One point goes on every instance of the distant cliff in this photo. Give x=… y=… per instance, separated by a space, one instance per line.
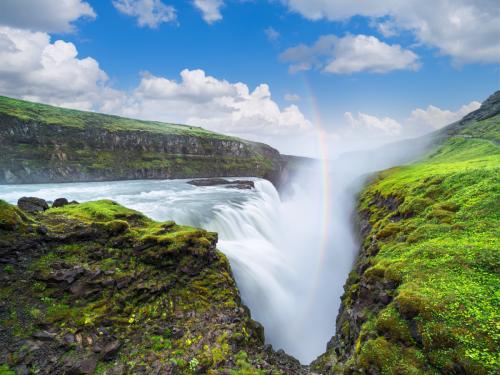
x=41 y=143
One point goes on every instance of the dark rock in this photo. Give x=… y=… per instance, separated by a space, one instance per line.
x=32 y=204
x=110 y=350
x=82 y=289
x=248 y=185
x=68 y=339
x=44 y=336
x=42 y=230
x=209 y=182
x=60 y=202
x=177 y=333
x=236 y=184
x=415 y=332
x=61 y=275
x=73 y=202
x=80 y=366
x=22 y=370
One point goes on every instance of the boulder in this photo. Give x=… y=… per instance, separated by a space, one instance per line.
x=209 y=182
x=32 y=204
x=242 y=185
x=60 y=202
x=110 y=350
x=236 y=184
x=79 y=366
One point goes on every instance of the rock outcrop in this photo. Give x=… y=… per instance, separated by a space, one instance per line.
x=231 y=184
x=96 y=288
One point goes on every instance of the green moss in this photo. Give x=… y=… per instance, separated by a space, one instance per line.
x=11 y=217
x=137 y=280
x=439 y=248
x=5 y=370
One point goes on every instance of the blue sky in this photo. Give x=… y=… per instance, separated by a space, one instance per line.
x=406 y=68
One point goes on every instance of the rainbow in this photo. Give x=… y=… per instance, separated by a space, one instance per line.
x=326 y=225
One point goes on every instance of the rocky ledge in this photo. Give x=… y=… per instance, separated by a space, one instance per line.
x=98 y=288
x=234 y=184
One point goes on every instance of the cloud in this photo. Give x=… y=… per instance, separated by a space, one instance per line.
x=363 y=131
x=272 y=34
x=210 y=9
x=214 y=104
x=466 y=30
x=292 y=97
x=150 y=13
x=33 y=67
x=350 y=54
x=420 y=121
x=44 y=15
x=369 y=123
x=435 y=118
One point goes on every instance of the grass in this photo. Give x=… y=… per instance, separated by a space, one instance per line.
x=440 y=249
x=50 y=115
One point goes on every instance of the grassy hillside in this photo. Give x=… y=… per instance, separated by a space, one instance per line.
x=424 y=294
x=95 y=288
x=50 y=115
x=42 y=143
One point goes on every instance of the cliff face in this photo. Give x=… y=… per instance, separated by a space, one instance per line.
x=40 y=143
x=95 y=288
x=421 y=296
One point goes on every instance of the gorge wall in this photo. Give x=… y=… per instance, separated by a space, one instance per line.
x=421 y=296
x=41 y=144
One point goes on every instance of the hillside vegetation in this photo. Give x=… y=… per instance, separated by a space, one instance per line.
x=424 y=294
x=42 y=143
x=49 y=115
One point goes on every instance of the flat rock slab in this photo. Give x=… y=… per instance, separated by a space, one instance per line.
x=236 y=184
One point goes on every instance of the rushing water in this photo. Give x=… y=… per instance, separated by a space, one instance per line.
x=288 y=269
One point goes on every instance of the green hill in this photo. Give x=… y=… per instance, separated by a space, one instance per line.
x=42 y=143
x=423 y=296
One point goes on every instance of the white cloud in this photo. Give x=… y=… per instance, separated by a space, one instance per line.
x=362 y=131
x=44 y=15
x=214 y=104
x=35 y=68
x=466 y=30
x=435 y=118
x=272 y=34
x=31 y=66
x=150 y=13
x=292 y=97
x=369 y=123
x=420 y=121
x=350 y=54
x=210 y=9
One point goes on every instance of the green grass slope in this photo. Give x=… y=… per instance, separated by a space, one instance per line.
x=42 y=143
x=50 y=115
x=424 y=294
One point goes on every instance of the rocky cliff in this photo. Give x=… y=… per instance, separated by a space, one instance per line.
x=40 y=143
x=421 y=296
x=95 y=288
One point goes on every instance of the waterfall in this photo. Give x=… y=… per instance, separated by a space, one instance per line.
x=289 y=271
